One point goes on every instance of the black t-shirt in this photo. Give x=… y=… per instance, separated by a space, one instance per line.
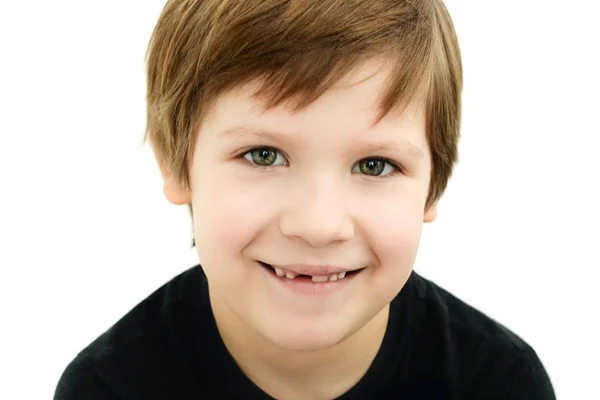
x=435 y=347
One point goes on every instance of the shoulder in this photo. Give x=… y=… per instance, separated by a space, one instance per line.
x=463 y=321
x=147 y=324
x=80 y=380
x=482 y=357
x=137 y=352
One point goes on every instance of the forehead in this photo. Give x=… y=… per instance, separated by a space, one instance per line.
x=351 y=105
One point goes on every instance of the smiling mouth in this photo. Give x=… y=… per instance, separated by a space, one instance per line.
x=314 y=278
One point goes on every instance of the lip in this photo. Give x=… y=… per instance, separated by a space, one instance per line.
x=319 y=270
x=305 y=287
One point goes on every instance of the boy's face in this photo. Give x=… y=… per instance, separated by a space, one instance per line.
x=317 y=192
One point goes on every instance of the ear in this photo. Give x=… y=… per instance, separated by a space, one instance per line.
x=430 y=213
x=175 y=191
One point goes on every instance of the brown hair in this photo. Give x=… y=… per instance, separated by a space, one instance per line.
x=299 y=48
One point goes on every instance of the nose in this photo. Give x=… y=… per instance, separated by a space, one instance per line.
x=318 y=215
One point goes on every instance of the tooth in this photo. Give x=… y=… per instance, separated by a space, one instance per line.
x=341 y=275
x=333 y=278
x=279 y=272
x=320 y=279
x=290 y=275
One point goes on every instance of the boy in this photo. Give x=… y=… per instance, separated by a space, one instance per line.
x=311 y=139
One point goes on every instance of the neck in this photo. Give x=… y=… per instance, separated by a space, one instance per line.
x=288 y=374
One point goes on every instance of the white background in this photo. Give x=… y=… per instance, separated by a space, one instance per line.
x=85 y=233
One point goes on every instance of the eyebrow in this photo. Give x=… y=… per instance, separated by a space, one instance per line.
x=406 y=148
x=403 y=147
x=243 y=130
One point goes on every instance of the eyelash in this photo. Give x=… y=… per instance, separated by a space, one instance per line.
x=396 y=168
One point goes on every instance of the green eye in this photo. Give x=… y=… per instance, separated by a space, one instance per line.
x=265 y=157
x=374 y=167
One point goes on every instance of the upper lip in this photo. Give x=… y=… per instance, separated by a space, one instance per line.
x=318 y=270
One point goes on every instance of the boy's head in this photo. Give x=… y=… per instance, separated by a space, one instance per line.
x=309 y=138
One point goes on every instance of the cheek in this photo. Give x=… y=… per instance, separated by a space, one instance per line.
x=395 y=241
x=228 y=213
x=395 y=232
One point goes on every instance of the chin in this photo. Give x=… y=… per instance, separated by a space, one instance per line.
x=305 y=338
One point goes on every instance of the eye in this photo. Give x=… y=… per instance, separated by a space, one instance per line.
x=374 y=167
x=265 y=157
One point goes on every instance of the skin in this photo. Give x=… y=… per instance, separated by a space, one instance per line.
x=316 y=203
